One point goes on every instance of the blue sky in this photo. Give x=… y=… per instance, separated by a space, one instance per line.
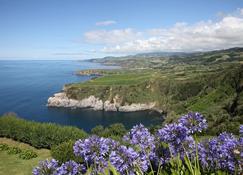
x=81 y=29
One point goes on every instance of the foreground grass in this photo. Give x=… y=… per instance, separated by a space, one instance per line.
x=12 y=164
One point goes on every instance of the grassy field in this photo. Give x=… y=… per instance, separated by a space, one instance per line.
x=13 y=165
x=120 y=77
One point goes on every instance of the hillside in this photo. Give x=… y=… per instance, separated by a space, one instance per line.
x=161 y=59
x=208 y=82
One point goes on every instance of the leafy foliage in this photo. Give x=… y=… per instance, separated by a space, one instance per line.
x=14 y=150
x=39 y=135
x=27 y=154
x=115 y=131
x=3 y=147
x=64 y=152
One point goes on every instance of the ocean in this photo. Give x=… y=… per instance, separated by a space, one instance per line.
x=26 y=85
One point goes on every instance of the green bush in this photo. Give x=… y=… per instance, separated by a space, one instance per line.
x=38 y=135
x=64 y=152
x=97 y=130
x=27 y=154
x=3 y=147
x=23 y=154
x=14 y=150
x=116 y=130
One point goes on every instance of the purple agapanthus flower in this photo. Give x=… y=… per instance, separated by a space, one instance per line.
x=95 y=150
x=140 y=137
x=46 y=167
x=127 y=161
x=219 y=153
x=71 y=168
x=174 y=135
x=195 y=122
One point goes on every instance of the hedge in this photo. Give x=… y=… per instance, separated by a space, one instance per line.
x=64 y=152
x=38 y=135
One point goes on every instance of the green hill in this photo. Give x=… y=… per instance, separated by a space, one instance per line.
x=208 y=82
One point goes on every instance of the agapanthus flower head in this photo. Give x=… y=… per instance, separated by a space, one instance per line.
x=195 y=122
x=95 y=150
x=46 y=167
x=174 y=135
x=127 y=161
x=71 y=168
x=203 y=154
x=219 y=153
x=143 y=139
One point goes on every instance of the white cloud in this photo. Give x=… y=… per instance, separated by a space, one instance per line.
x=105 y=23
x=241 y=11
x=204 y=35
x=111 y=37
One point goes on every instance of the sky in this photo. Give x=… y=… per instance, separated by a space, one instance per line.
x=84 y=29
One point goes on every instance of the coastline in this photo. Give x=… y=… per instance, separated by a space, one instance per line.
x=61 y=100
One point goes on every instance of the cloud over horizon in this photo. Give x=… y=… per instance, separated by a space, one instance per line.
x=105 y=23
x=111 y=37
x=201 y=36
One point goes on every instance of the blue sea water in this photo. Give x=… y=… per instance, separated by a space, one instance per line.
x=26 y=85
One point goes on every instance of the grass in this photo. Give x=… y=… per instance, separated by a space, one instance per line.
x=119 y=78
x=12 y=164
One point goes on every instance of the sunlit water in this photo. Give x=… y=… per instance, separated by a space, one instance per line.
x=26 y=85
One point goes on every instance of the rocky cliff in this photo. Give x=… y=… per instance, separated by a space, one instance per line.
x=61 y=100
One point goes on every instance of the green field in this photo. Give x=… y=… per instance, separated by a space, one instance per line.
x=119 y=79
x=12 y=164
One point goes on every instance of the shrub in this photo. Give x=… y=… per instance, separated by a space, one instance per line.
x=64 y=152
x=3 y=147
x=27 y=154
x=14 y=150
x=116 y=130
x=39 y=135
x=97 y=130
x=23 y=154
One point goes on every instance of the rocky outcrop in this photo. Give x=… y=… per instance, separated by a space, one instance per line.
x=136 y=107
x=61 y=100
x=108 y=106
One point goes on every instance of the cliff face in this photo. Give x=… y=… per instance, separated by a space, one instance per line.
x=61 y=100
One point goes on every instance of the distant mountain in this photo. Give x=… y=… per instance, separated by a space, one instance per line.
x=145 y=55
x=159 y=59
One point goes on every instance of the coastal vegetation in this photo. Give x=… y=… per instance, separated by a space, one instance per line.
x=207 y=82
x=38 y=135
